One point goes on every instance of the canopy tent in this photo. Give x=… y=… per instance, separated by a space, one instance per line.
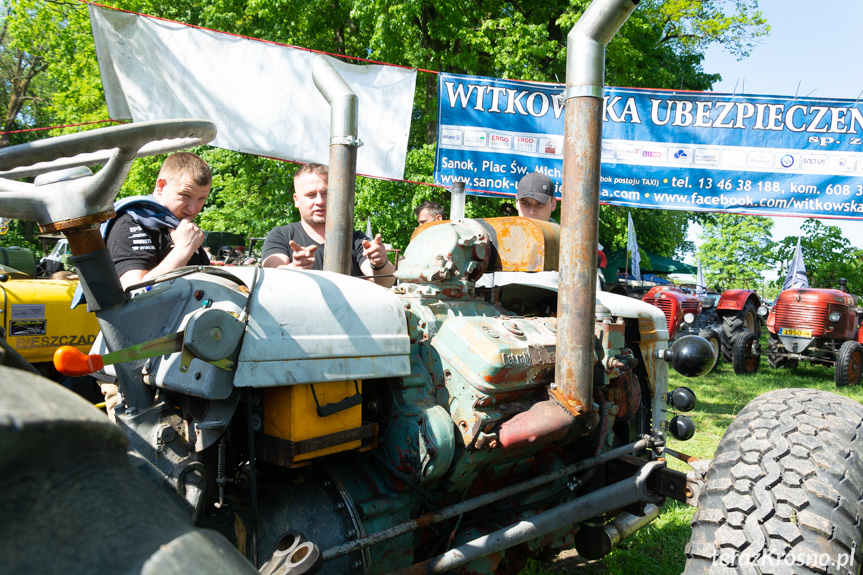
x=657 y=265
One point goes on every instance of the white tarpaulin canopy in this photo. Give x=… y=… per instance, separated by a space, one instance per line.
x=260 y=95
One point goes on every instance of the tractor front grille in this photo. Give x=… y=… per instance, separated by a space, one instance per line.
x=801 y=317
x=667 y=307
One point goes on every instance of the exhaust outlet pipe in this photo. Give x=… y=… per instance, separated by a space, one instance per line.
x=343 y=164
x=576 y=297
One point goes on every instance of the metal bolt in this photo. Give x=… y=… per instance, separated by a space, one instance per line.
x=215 y=334
x=350 y=534
x=356 y=564
x=166 y=434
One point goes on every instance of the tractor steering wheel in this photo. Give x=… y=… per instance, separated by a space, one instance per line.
x=114 y=147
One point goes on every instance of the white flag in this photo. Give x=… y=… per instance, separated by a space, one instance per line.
x=260 y=95
x=700 y=288
x=632 y=247
x=796 y=277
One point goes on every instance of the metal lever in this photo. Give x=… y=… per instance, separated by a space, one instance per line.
x=69 y=361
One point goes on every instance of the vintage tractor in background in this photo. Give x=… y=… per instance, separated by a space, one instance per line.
x=721 y=320
x=681 y=309
x=37 y=320
x=821 y=326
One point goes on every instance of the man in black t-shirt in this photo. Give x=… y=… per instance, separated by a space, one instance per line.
x=300 y=245
x=155 y=235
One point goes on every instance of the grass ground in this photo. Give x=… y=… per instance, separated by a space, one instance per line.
x=659 y=548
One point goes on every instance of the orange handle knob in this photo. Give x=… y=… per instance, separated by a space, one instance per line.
x=69 y=361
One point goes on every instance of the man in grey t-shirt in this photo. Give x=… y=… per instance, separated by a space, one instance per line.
x=300 y=245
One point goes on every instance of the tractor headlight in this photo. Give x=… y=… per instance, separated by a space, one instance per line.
x=689 y=317
x=763 y=311
x=834 y=316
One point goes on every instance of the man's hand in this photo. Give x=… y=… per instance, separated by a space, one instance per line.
x=303 y=257
x=187 y=237
x=375 y=252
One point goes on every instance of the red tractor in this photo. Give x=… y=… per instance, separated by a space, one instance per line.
x=736 y=313
x=681 y=309
x=719 y=322
x=818 y=325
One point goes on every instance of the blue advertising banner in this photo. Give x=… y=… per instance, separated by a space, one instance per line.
x=694 y=151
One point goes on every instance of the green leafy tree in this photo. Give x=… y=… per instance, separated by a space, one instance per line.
x=828 y=256
x=660 y=46
x=736 y=250
x=48 y=69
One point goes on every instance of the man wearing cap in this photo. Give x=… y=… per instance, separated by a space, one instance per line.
x=535 y=197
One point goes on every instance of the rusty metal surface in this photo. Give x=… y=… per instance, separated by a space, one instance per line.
x=483 y=500
x=70 y=226
x=544 y=422
x=341 y=187
x=524 y=245
x=576 y=298
x=84 y=240
x=519 y=244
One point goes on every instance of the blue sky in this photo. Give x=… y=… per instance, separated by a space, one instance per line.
x=813 y=50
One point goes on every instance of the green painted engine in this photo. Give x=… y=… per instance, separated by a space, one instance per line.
x=463 y=441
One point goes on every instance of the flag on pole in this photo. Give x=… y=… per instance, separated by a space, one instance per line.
x=632 y=247
x=796 y=277
x=700 y=288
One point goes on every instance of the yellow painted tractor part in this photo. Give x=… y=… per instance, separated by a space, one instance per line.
x=37 y=318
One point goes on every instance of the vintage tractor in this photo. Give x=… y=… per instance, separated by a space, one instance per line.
x=380 y=429
x=346 y=428
x=821 y=326
x=682 y=310
x=37 y=320
x=719 y=322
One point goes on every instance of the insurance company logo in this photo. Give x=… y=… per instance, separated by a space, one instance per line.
x=706 y=157
x=525 y=143
x=818 y=162
x=628 y=152
x=681 y=156
x=451 y=137
x=551 y=146
x=475 y=139
x=786 y=161
x=653 y=154
x=607 y=152
x=760 y=160
x=501 y=141
x=842 y=163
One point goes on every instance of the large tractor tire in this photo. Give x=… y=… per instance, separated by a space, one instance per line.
x=712 y=337
x=747 y=354
x=782 y=494
x=736 y=322
x=849 y=364
x=74 y=501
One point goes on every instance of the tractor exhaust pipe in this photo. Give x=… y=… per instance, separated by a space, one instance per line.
x=343 y=164
x=579 y=233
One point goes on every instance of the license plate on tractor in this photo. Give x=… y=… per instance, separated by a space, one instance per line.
x=795 y=332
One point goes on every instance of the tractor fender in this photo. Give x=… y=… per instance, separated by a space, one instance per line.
x=735 y=299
